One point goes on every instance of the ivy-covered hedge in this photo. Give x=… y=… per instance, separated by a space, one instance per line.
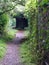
x=38 y=17
x=43 y=32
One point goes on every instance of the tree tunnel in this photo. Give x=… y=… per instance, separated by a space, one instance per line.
x=21 y=22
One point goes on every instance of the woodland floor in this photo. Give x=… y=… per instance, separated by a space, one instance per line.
x=12 y=56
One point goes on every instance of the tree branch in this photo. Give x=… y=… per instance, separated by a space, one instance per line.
x=1 y=13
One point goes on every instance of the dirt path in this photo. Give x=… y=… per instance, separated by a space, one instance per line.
x=12 y=56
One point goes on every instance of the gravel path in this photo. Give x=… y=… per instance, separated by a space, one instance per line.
x=12 y=56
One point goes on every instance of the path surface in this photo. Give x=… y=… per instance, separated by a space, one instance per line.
x=12 y=56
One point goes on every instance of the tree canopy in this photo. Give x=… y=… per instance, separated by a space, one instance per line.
x=8 y=5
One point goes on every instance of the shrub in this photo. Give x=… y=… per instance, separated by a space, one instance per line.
x=3 y=22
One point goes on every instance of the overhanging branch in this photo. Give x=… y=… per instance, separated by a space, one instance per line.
x=1 y=13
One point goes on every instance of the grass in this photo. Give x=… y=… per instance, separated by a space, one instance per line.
x=9 y=35
x=2 y=48
x=12 y=32
x=26 y=33
x=25 y=55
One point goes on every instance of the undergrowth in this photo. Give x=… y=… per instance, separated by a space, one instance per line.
x=25 y=54
x=2 y=48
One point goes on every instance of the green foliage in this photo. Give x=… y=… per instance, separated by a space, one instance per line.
x=38 y=42
x=43 y=31
x=8 y=5
x=2 y=48
x=43 y=2
x=30 y=8
x=25 y=54
x=31 y=13
x=3 y=22
x=10 y=34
